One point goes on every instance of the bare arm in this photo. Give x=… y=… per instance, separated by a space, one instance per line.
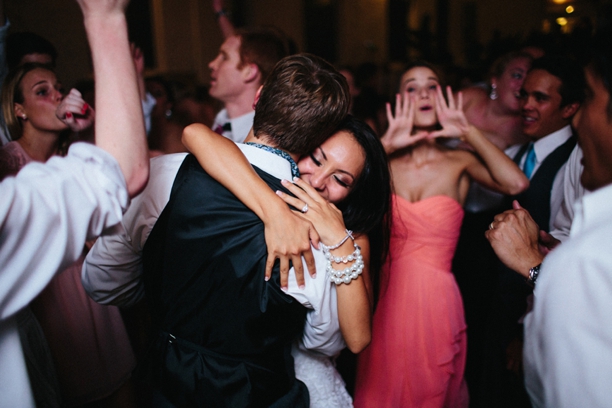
x=354 y=301
x=225 y=24
x=287 y=236
x=494 y=170
x=119 y=126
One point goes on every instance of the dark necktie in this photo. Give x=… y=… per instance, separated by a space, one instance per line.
x=226 y=127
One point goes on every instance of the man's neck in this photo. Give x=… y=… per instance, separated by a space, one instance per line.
x=264 y=140
x=241 y=105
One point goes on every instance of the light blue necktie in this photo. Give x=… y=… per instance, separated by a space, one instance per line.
x=530 y=161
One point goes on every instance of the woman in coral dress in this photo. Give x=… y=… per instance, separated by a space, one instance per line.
x=418 y=349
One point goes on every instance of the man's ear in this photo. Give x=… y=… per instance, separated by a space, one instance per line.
x=569 y=110
x=257 y=95
x=250 y=72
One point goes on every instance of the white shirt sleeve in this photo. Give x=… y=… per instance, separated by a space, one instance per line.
x=48 y=212
x=322 y=328
x=568 y=335
x=572 y=192
x=147 y=109
x=112 y=269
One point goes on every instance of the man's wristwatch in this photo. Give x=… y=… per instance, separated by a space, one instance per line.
x=533 y=274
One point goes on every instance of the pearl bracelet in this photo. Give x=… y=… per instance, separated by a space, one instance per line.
x=349 y=234
x=347 y=274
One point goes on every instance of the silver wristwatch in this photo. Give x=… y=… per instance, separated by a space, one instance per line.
x=533 y=274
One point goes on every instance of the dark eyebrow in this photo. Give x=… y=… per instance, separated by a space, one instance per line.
x=323 y=152
x=541 y=95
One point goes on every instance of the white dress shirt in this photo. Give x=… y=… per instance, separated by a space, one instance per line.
x=47 y=212
x=572 y=192
x=543 y=147
x=113 y=268
x=568 y=335
x=241 y=126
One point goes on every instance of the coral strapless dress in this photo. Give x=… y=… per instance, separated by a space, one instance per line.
x=418 y=349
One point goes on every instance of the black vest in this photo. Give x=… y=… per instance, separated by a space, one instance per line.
x=536 y=199
x=223 y=334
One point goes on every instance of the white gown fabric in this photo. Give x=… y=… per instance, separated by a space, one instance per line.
x=325 y=385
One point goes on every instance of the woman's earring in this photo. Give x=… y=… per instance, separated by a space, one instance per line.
x=168 y=113
x=24 y=116
x=493 y=95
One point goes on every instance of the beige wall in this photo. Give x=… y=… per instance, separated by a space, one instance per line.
x=187 y=37
x=363 y=31
x=59 y=21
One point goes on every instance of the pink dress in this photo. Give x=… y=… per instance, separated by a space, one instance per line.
x=418 y=349
x=88 y=341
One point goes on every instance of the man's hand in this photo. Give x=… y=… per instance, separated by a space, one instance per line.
x=514 y=235
x=547 y=242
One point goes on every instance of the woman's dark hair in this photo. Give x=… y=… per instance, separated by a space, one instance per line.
x=366 y=209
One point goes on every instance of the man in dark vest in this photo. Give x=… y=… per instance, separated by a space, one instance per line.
x=222 y=334
x=551 y=94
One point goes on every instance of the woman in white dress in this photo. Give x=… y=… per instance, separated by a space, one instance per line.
x=344 y=184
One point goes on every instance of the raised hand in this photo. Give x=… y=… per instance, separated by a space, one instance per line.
x=218 y=5
x=399 y=134
x=450 y=116
x=75 y=112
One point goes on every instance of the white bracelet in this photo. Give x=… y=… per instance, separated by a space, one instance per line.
x=347 y=274
x=349 y=234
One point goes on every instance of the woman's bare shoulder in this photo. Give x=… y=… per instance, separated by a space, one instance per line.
x=473 y=96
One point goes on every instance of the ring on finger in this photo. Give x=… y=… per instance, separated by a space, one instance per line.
x=491 y=226
x=305 y=208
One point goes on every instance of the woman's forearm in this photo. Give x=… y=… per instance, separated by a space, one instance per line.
x=505 y=175
x=354 y=301
x=224 y=161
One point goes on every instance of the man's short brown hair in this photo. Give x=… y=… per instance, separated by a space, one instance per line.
x=301 y=103
x=262 y=46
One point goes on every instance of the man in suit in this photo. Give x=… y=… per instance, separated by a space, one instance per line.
x=222 y=334
x=550 y=96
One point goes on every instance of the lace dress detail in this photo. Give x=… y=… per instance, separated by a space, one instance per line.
x=325 y=385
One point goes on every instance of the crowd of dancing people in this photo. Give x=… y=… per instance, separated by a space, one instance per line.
x=288 y=237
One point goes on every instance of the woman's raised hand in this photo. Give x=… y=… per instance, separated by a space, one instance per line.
x=450 y=116
x=75 y=112
x=399 y=134
x=326 y=218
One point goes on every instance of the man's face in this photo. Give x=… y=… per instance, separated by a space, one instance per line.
x=226 y=77
x=541 y=105
x=594 y=129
